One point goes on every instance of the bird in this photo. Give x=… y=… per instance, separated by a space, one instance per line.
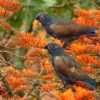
x=66 y=31
x=66 y=68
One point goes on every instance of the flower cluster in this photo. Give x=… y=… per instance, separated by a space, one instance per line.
x=7 y=8
x=88 y=17
x=9 y=5
x=79 y=94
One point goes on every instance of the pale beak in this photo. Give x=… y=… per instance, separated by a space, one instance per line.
x=36 y=24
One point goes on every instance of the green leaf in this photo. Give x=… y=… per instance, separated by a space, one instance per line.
x=49 y=3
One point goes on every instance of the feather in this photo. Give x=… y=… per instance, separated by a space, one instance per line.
x=70 y=69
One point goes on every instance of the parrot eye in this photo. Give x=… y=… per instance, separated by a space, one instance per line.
x=49 y=47
x=42 y=18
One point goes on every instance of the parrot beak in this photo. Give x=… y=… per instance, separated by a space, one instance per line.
x=36 y=24
x=37 y=21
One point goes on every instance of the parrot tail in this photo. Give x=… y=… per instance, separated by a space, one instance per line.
x=91 y=83
x=91 y=31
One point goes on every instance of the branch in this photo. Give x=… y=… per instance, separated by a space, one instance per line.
x=6 y=62
x=4 y=51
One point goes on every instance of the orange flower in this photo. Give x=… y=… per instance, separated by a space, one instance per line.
x=59 y=42
x=29 y=73
x=35 y=52
x=5 y=13
x=83 y=94
x=48 y=76
x=78 y=94
x=11 y=5
x=46 y=64
x=78 y=47
x=86 y=59
x=28 y=40
x=48 y=87
x=85 y=21
x=67 y=95
x=88 y=69
x=21 y=88
x=88 y=17
x=17 y=81
x=93 y=49
x=48 y=67
x=90 y=14
x=41 y=34
x=7 y=26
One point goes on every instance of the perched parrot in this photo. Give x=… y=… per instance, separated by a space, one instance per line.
x=67 y=69
x=63 y=30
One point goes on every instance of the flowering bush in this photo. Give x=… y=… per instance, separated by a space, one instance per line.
x=38 y=77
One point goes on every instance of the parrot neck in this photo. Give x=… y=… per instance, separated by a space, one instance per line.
x=59 y=52
x=47 y=22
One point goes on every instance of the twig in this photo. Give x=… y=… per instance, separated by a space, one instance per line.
x=6 y=62
x=97 y=6
x=3 y=51
x=8 y=47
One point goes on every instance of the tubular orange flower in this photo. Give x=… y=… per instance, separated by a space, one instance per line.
x=22 y=88
x=88 y=17
x=41 y=34
x=35 y=52
x=83 y=94
x=86 y=59
x=78 y=47
x=69 y=51
x=91 y=14
x=28 y=40
x=59 y=42
x=93 y=49
x=78 y=94
x=5 y=13
x=88 y=70
x=7 y=26
x=85 y=21
x=86 y=39
x=48 y=76
x=29 y=73
x=46 y=64
x=25 y=40
x=11 y=5
x=11 y=71
x=17 y=81
x=48 y=87
x=48 y=67
x=67 y=95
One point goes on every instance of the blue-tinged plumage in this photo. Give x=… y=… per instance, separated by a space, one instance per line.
x=65 y=31
x=91 y=83
x=67 y=69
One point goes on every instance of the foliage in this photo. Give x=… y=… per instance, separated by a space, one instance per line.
x=37 y=79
